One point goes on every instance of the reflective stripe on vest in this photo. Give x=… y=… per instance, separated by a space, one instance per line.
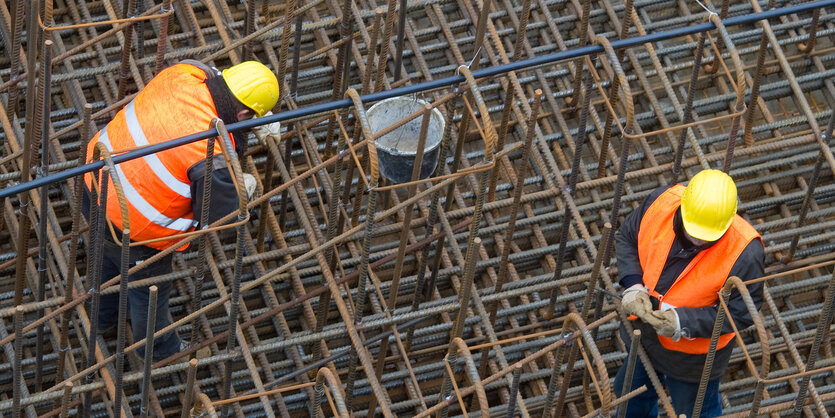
x=700 y=282
x=156 y=165
x=135 y=198
x=175 y=103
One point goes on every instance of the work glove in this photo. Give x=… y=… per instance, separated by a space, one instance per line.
x=666 y=323
x=270 y=129
x=250 y=184
x=635 y=301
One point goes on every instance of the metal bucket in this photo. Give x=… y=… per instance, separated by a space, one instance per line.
x=396 y=150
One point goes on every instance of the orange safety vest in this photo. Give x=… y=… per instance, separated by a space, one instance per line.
x=700 y=282
x=173 y=104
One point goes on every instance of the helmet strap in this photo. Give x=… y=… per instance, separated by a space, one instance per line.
x=227 y=106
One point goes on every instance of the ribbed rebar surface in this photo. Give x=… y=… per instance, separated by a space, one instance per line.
x=328 y=302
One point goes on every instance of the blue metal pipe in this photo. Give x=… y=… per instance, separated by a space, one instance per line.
x=416 y=88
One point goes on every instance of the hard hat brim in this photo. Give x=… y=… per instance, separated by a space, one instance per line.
x=703 y=233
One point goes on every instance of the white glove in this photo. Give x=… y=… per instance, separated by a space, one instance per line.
x=635 y=301
x=271 y=129
x=666 y=323
x=250 y=184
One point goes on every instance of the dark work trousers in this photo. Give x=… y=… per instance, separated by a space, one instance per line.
x=683 y=394
x=164 y=345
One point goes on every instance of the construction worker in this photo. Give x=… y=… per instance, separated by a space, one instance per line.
x=164 y=190
x=674 y=253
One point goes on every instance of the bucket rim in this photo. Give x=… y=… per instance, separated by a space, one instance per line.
x=393 y=151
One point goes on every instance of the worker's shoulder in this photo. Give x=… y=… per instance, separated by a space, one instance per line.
x=182 y=73
x=658 y=191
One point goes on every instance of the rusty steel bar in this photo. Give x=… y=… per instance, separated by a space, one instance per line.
x=149 y=351
x=300 y=265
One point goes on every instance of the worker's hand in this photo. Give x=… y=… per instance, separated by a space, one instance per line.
x=635 y=301
x=666 y=323
x=271 y=129
x=250 y=184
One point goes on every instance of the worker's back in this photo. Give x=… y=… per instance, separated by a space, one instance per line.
x=175 y=103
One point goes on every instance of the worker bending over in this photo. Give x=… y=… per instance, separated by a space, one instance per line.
x=164 y=190
x=674 y=254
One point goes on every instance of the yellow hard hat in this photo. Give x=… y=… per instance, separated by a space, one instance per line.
x=708 y=205
x=254 y=85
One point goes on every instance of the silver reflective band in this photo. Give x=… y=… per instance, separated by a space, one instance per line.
x=153 y=161
x=139 y=202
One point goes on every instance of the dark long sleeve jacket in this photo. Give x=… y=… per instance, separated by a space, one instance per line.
x=694 y=322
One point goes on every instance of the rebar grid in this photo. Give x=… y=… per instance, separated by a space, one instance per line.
x=480 y=291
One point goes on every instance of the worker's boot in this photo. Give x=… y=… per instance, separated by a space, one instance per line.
x=203 y=352
x=108 y=333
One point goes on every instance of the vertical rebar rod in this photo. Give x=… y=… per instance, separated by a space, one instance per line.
x=30 y=153
x=127 y=46
x=17 y=367
x=331 y=253
x=464 y=124
x=121 y=322
x=139 y=31
x=384 y=46
x=64 y=349
x=401 y=37
x=688 y=107
x=420 y=293
x=614 y=94
x=203 y=253
x=65 y=400
x=14 y=64
x=407 y=217
x=290 y=8
x=188 y=395
x=162 y=40
x=821 y=329
x=555 y=376
x=394 y=288
x=456 y=162
x=232 y=339
x=98 y=213
x=464 y=303
x=319 y=395
x=514 y=390
x=809 y=45
x=44 y=102
x=521 y=174
x=568 y=193
x=625 y=147
x=149 y=351
x=343 y=60
x=240 y=249
x=711 y=354
x=294 y=83
x=712 y=67
x=289 y=13
x=249 y=27
x=591 y=289
x=755 y=86
x=574 y=99
x=732 y=135
x=473 y=241
x=810 y=190
x=371 y=49
x=362 y=284
x=630 y=370
x=518 y=47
